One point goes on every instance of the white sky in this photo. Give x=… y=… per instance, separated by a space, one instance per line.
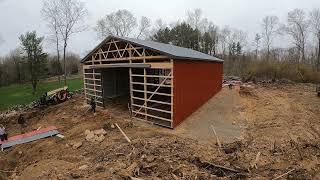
x=20 y=16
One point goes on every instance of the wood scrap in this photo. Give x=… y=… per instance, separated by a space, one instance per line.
x=221 y=167
x=278 y=177
x=127 y=138
x=8 y=171
x=255 y=162
x=134 y=178
x=217 y=138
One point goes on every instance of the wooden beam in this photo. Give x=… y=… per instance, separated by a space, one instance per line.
x=155 y=109
x=152 y=76
x=149 y=92
x=157 y=117
x=150 y=84
x=161 y=65
x=154 y=101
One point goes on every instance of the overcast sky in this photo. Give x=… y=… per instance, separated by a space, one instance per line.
x=20 y=16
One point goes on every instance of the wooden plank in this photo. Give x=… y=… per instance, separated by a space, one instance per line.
x=94 y=95
x=160 y=102
x=155 y=109
x=157 y=117
x=172 y=92
x=91 y=84
x=92 y=79
x=152 y=76
x=150 y=84
x=157 y=93
x=94 y=90
x=161 y=65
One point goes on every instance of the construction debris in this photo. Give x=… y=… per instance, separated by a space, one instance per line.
x=264 y=150
x=29 y=137
x=129 y=141
x=95 y=135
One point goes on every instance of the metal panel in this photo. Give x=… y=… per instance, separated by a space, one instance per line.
x=174 y=52
x=29 y=139
x=195 y=82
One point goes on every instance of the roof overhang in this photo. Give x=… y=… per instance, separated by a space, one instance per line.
x=147 y=47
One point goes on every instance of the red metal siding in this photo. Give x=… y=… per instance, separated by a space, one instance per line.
x=195 y=82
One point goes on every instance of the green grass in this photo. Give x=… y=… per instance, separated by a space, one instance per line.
x=22 y=93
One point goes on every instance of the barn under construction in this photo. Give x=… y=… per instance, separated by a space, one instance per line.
x=162 y=83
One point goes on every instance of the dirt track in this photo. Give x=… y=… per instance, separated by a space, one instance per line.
x=278 y=121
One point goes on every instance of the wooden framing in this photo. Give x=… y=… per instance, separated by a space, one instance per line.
x=151 y=88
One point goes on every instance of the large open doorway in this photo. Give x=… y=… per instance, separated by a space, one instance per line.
x=116 y=87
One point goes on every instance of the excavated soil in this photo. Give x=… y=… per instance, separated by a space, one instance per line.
x=280 y=133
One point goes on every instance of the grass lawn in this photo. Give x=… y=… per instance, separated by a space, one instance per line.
x=22 y=93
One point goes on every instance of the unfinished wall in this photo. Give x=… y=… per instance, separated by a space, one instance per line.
x=92 y=85
x=195 y=82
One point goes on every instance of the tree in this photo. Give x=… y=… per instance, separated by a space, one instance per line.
x=15 y=57
x=213 y=32
x=69 y=15
x=315 y=24
x=194 y=18
x=297 y=27
x=162 y=35
x=185 y=36
x=32 y=47
x=120 y=23
x=270 y=26
x=144 y=25
x=50 y=12
x=257 y=40
x=207 y=43
x=224 y=37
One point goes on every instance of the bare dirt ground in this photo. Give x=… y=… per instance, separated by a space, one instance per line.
x=279 y=132
x=221 y=112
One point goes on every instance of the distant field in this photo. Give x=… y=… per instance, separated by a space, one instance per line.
x=22 y=94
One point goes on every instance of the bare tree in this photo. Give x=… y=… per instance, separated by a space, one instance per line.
x=194 y=18
x=120 y=23
x=256 y=42
x=297 y=28
x=270 y=26
x=160 y=24
x=70 y=14
x=224 y=37
x=144 y=26
x=50 y=12
x=213 y=31
x=315 y=23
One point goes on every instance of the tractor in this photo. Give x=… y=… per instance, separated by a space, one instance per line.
x=55 y=96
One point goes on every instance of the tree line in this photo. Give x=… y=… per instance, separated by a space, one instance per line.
x=259 y=57
x=29 y=63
